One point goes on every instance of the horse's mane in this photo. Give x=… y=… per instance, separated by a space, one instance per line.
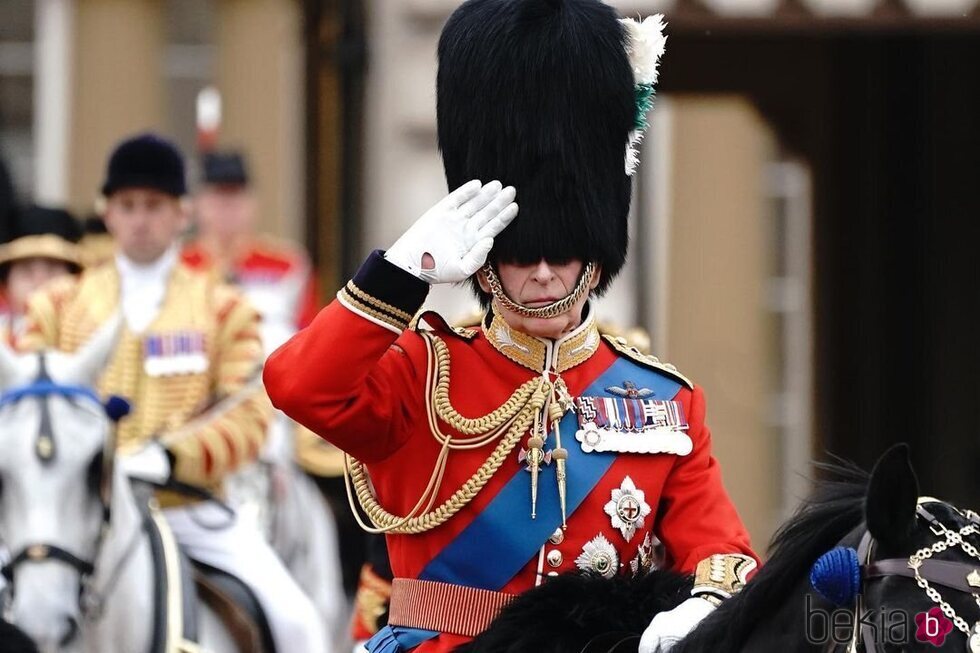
x=834 y=509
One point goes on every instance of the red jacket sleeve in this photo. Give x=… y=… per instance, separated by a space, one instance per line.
x=348 y=376
x=696 y=517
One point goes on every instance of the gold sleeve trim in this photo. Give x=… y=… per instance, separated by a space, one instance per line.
x=722 y=575
x=385 y=319
x=377 y=303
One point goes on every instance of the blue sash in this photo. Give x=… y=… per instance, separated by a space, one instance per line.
x=505 y=526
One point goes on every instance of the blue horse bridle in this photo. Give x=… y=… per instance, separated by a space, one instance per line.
x=43 y=388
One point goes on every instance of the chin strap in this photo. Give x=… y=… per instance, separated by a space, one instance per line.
x=553 y=309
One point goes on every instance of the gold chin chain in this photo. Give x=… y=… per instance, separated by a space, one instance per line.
x=508 y=423
x=553 y=309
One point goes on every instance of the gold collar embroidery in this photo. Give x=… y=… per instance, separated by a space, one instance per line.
x=532 y=353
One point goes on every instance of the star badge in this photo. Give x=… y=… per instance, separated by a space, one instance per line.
x=599 y=556
x=627 y=508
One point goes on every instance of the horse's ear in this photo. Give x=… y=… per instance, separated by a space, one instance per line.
x=85 y=366
x=893 y=493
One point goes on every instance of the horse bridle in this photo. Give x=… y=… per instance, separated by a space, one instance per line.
x=43 y=388
x=958 y=576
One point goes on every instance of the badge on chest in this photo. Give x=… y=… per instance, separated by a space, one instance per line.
x=174 y=353
x=632 y=425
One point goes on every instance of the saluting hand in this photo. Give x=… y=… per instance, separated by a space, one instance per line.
x=452 y=240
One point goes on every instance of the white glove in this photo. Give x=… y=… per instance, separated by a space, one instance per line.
x=457 y=233
x=150 y=463
x=668 y=628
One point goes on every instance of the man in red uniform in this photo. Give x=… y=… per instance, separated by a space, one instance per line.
x=496 y=457
x=274 y=274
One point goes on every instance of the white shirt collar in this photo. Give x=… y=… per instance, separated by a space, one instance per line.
x=140 y=273
x=143 y=288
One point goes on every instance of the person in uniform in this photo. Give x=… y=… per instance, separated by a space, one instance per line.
x=44 y=247
x=531 y=446
x=188 y=359
x=274 y=274
x=277 y=277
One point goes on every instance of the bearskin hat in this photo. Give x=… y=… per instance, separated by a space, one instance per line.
x=540 y=95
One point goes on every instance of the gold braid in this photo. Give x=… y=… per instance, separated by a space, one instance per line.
x=511 y=420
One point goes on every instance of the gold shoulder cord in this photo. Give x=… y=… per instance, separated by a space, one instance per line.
x=508 y=423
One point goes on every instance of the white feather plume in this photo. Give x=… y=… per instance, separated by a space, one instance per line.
x=633 y=152
x=645 y=45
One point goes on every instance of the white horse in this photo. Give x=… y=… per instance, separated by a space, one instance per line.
x=288 y=508
x=81 y=571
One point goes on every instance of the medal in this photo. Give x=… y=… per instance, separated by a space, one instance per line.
x=642 y=564
x=174 y=353
x=632 y=425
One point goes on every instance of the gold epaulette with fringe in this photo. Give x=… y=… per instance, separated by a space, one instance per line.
x=652 y=362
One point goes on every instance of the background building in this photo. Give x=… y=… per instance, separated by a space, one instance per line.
x=807 y=198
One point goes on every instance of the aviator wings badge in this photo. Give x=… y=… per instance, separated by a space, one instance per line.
x=630 y=391
x=627 y=508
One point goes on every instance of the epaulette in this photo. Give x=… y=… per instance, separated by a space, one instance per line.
x=438 y=323
x=651 y=362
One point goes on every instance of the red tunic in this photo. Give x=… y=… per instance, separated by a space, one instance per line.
x=358 y=380
x=275 y=275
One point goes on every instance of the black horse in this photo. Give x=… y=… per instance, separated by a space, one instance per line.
x=852 y=539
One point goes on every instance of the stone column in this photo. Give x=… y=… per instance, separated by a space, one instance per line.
x=54 y=26
x=260 y=77
x=118 y=85
x=719 y=331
